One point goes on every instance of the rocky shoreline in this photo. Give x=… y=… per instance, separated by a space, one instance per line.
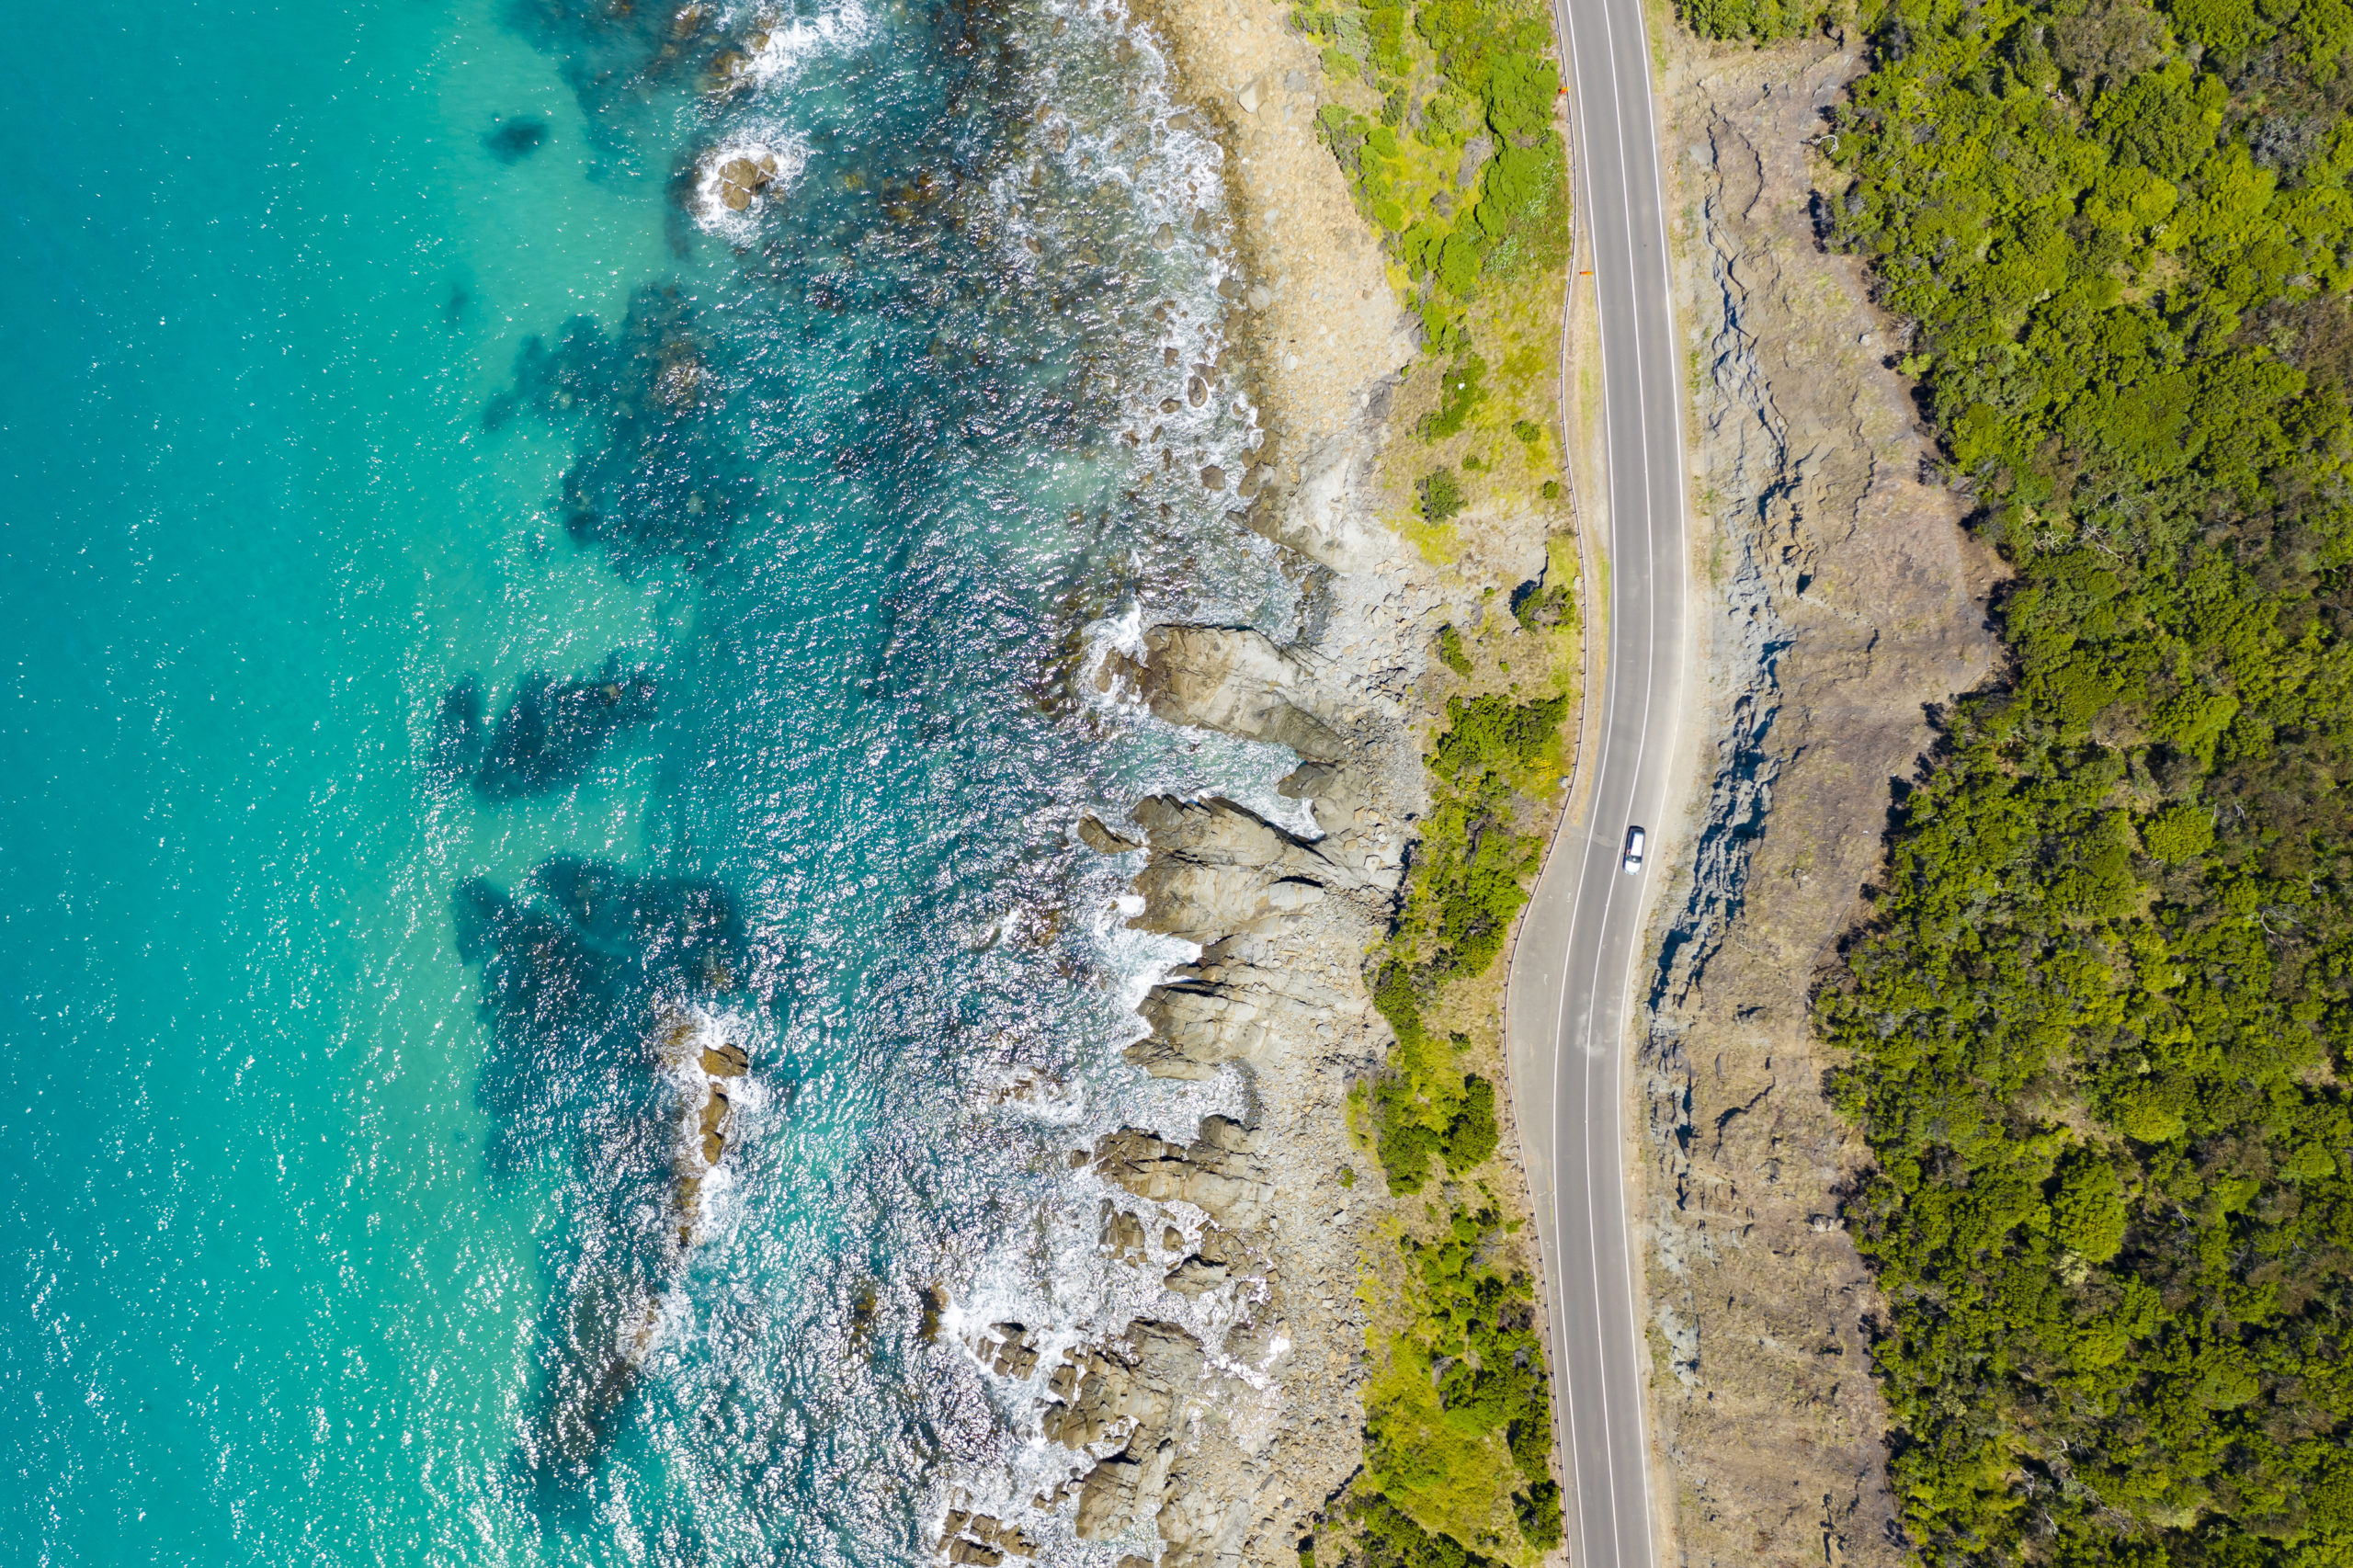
x=1229 y=1467
x=1229 y=1451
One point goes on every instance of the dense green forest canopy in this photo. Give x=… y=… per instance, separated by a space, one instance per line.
x=2096 y=1030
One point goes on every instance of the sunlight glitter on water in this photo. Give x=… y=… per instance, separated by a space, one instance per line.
x=938 y=405
x=530 y=606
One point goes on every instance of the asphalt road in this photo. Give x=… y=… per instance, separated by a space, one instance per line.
x=1577 y=967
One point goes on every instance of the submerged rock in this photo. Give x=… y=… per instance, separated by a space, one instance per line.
x=457 y=731
x=601 y=1335
x=515 y=140
x=658 y=472
x=579 y=973
x=555 y=727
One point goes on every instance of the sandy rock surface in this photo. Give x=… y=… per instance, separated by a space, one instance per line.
x=1324 y=318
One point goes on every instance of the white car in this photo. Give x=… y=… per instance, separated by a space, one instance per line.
x=1633 y=861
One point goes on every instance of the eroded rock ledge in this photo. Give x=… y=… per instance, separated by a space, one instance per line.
x=1225 y=1009
x=1228 y=678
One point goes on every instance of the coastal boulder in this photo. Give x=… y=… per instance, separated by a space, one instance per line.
x=741 y=179
x=1229 y=679
x=1123 y=1237
x=1118 y=1487
x=1101 y=839
x=1132 y=1384
x=1204 y=1522
x=1218 y=1259
x=1134 y=1388
x=1216 y=1173
x=1218 y=868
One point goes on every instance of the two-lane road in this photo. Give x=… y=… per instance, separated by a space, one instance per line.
x=1576 y=967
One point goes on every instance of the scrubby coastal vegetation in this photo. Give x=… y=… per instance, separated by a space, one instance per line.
x=1441 y=115
x=1458 y=165
x=1470 y=877
x=1441 y=118
x=1457 y=1417
x=2096 y=1027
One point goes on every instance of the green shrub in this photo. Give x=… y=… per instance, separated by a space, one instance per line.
x=1385 y=27
x=2088 y=1214
x=1461 y=255
x=1760 y=21
x=2178 y=834
x=1521 y=90
x=1471 y=1135
x=1450 y=654
x=1403 y=1141
x=1390 y=1539
x=1538 y=1510
x=1441 y=494
x=1460 y=391
x=1541 y=607
x=1458 y=1415
x=1491 y=737
x=1523 y=208
x=1493 y=60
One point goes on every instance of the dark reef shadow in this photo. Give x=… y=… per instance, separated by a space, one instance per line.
x=574 y=972
x=517 y=139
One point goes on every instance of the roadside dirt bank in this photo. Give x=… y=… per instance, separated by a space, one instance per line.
x=1843 y=598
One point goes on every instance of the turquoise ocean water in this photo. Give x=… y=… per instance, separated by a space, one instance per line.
x=475 y=597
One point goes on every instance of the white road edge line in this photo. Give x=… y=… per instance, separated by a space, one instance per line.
x=1601 y=735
